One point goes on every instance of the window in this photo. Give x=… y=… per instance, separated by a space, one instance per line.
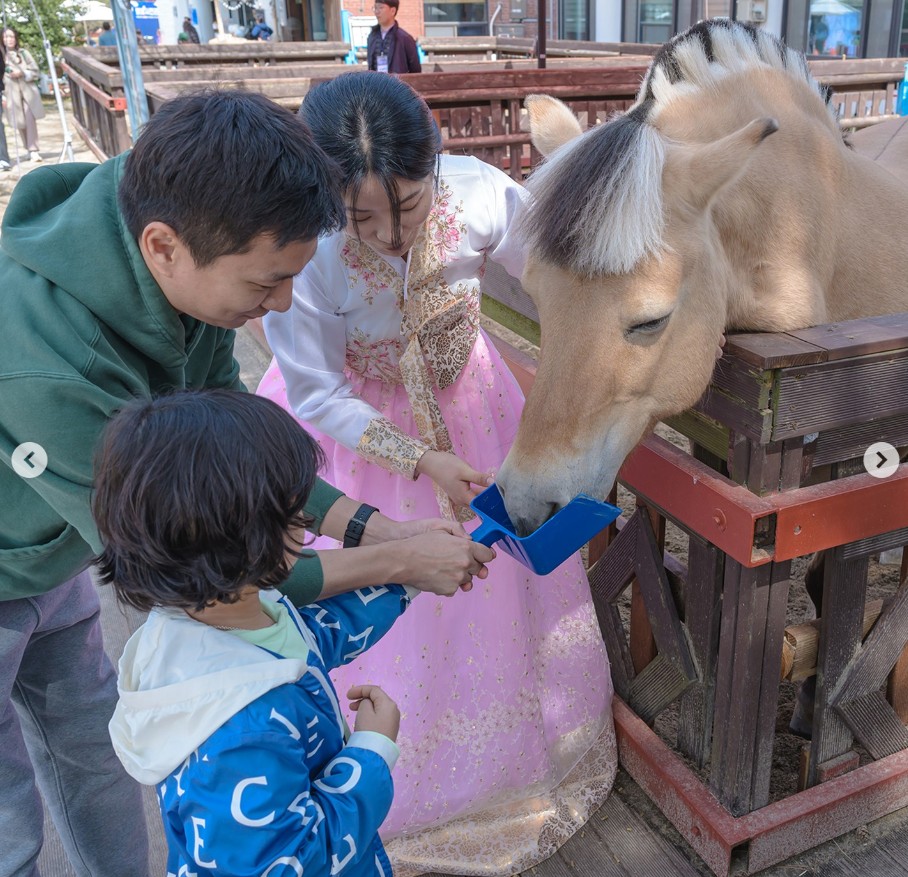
x=834 y=27
x=460 y=19
x=902 y=32
x=574 y=19
x=657 y=21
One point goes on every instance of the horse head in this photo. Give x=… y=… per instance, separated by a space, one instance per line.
x=652 y=233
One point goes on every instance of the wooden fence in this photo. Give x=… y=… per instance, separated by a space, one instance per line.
x=478 y=103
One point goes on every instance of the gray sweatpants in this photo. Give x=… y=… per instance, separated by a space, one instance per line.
x=57 y=694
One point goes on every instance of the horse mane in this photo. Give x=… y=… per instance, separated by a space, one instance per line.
x=597 y=200
x=704 y=54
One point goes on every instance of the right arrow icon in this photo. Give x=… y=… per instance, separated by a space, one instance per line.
x=881 y=460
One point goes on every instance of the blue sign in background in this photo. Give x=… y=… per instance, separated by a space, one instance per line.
x=145 y=13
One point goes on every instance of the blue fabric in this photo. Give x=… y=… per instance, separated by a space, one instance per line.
x=262 y=31
x=274 y=791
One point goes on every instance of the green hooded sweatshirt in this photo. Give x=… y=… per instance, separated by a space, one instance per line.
x=84 y=328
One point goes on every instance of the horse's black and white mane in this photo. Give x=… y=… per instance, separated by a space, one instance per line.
x=597 y=201
x=710 y=50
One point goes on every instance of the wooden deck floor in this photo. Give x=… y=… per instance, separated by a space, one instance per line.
x=627 y=837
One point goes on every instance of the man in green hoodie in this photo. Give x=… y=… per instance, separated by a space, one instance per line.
x=198 y=229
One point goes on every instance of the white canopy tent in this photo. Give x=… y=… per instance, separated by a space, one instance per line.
x=96 y=11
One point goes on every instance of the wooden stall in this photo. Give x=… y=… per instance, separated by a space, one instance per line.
x=775 y=472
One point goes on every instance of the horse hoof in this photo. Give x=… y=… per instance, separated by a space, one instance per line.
x=801 y=724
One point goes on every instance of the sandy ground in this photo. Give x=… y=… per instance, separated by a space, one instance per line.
x=815 y=863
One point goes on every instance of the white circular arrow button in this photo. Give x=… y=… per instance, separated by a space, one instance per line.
x=881 y=460
x=29 y=460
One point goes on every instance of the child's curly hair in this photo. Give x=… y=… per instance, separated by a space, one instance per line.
x=195 y=493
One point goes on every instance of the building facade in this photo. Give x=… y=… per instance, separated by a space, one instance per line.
x=849 y=28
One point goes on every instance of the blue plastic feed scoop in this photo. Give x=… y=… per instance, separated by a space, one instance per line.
x=554 y=542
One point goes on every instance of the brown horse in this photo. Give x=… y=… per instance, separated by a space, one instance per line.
x=725 y=197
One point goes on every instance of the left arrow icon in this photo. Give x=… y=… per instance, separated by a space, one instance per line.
x=29 y=460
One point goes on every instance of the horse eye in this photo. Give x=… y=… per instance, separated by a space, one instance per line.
x=650 y=327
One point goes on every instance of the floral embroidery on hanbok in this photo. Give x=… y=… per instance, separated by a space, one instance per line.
x=445 y=227
x=377 y=360
x=365 y=265
x=385 y=443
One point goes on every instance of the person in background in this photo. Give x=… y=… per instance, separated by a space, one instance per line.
x=4 y=149
x=108 y=35
x=272 y=741
x=260 y=30
x=190 y=31
x=390 y=49
x=23 y=100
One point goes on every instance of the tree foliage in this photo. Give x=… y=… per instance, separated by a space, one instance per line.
x=57 y=17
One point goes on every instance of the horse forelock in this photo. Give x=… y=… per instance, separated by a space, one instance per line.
x=597 y=201
x=699 y=58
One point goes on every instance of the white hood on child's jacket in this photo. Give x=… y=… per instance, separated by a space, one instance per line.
x=179 y=681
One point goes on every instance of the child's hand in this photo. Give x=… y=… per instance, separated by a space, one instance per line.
x=455 y=477
x=375 y=711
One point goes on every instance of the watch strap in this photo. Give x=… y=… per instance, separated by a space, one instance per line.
x=357 y=525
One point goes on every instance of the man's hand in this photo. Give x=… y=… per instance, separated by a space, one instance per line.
x=430 y=554
x=455 y=477
x=440 y=563
x=375 y=711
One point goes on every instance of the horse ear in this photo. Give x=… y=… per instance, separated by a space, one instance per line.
x=698 y=171
x=552 y=124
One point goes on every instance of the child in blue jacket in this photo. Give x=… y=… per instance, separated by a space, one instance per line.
x=225 y=701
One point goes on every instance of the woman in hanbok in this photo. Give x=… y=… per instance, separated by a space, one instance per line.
x=507 y=743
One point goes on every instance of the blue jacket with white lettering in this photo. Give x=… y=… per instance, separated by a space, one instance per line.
x=247 y=748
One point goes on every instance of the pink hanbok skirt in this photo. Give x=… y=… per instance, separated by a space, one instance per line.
x=506 y=738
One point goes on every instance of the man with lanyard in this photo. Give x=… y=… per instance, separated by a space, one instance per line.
x=390 y=49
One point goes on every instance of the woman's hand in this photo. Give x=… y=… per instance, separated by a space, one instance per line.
x=455 y=477
x=375 y=711
x=439 y=564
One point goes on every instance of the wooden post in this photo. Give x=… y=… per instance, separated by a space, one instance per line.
x=642 y=644
x=218 y=19
x=542 y=15
x=897 y=684
x=750 y=642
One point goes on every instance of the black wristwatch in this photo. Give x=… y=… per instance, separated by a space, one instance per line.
x=357 y=525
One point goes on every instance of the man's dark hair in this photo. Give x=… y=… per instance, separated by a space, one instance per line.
x=105 y=25
x=222 y=167
x=194 y=495
x=374 y=126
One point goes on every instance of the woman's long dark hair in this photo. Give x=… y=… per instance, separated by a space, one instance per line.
x=374 y=125
x=195 y=493
x=15 y=33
